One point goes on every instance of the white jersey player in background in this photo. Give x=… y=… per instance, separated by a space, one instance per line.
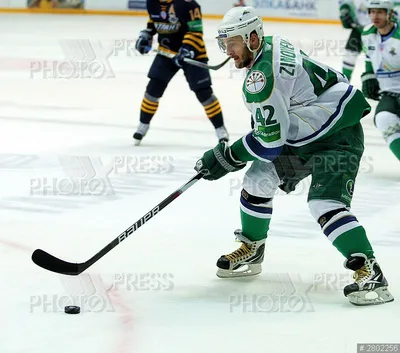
x=354 y=16
x=305 y=121
x=381 y=81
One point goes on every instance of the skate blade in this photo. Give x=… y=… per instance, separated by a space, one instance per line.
x=251 y=270
x=378 y=296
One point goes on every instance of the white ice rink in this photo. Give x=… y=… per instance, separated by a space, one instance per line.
x=157 y=291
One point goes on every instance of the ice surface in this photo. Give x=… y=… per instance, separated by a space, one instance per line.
x=53 y=128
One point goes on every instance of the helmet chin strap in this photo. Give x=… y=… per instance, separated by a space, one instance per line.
x=254 y=51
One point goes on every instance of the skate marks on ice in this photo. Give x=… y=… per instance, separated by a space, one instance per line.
x=376 y=205
x=55 y=184
x=268 y=293
x=24 y=105
x=17 y=161
x=158 y=130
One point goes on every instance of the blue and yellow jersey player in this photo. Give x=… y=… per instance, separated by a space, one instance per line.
x=179 y=26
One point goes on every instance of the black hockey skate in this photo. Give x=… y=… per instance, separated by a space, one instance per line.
x=140 y=133
x=370 y=286
x=245 y=261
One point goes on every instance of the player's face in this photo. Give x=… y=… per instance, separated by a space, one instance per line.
x=379 y=17
x=236 y=48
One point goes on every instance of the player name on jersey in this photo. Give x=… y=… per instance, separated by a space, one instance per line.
x=287 y=58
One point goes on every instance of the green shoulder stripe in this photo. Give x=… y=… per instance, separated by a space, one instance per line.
x=259 y=82
x=370 y=29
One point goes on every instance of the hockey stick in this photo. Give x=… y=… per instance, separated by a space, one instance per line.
x=194 y=62
x=54 y=264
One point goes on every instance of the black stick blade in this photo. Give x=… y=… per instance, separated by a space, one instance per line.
x=51 y=263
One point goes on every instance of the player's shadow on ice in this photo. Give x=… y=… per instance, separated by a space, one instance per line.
x=268 y=292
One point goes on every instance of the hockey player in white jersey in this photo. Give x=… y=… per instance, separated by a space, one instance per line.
x=305 y=121
x=381 y=79
x=354 y=16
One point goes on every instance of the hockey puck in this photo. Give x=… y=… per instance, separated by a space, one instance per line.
x=72 y=309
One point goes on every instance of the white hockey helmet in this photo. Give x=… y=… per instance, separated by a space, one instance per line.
x=380 y=4
x=240 y=21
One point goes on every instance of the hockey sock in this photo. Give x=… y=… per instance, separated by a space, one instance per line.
x=255 y=219
x=346 y=234
x=214 y=112
x=147 y=110
x=349 y=63
x=395 y=148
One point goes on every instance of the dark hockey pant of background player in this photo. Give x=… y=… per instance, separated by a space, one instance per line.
x=162 y=71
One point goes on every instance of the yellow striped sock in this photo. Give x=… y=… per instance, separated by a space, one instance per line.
x=213 y=109
x=149 y=106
